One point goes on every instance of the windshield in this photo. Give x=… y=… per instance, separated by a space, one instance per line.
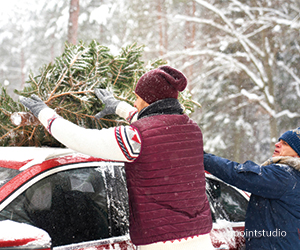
x=6 y=174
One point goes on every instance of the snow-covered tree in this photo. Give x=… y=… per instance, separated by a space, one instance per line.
x=246 y=72
x=68 y=87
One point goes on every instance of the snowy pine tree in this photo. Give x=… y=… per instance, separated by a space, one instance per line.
x=68 y=87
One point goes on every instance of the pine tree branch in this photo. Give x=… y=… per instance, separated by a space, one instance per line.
x=31 y=78
x=85 y=115
x=68 y=93
x=9 y=132
x=32 y=134
x=58 y=83
x=5 y=112
x=119 y=72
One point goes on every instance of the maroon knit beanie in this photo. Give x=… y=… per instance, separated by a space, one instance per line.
x=161 y=83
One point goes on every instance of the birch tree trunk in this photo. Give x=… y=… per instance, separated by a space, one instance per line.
x=190 y=37
x=73 y=21
x=160 y=27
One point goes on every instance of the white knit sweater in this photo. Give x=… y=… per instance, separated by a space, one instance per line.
x=121 y=143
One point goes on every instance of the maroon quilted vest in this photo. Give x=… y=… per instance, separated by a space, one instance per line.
x=166 y=183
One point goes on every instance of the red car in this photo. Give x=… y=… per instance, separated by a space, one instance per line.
x=57 y=199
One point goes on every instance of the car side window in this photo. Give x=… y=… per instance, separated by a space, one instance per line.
x=70 y=205
x=225 y=201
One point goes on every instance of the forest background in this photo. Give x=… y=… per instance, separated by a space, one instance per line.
x=241 y=57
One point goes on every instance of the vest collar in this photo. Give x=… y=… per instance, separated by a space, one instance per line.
x=168 y=106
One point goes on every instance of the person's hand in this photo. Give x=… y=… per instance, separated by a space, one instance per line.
x=34 y=104
x=107 y=98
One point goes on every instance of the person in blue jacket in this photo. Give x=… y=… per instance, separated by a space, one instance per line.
x=273 y=214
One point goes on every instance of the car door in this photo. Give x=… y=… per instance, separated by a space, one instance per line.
x=75 y=204
x=228 y=206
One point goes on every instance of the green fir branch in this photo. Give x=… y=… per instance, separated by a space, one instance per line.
x=68 y=84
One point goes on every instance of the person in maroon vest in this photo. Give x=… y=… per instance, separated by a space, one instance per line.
x=163 y=153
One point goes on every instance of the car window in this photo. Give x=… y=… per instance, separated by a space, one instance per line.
x=72 y=206
x=225 y=201
x=6 y=174
x=115 y=180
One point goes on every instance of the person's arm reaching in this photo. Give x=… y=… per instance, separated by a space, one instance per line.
x=119 y=143
x=269 y=181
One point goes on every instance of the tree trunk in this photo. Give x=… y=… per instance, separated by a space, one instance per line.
x=160 y=28
x=190 y=37
x=267 y=41
x=73 y=21
x=22 y=69
x=273 y=133
x=238 y=133
x=24 y=119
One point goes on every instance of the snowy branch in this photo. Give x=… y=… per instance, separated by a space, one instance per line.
x=293 y=24
x=203 y=21
x=222 y=57
x=287 y=113
x=241 y=38
x=260 y=100
x=255 y=98
x=290 y=71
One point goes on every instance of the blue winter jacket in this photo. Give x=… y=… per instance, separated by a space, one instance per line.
x=273 y=214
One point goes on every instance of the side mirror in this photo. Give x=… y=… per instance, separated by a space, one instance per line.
x=22 y=236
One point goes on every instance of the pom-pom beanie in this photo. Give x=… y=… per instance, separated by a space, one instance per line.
x=292 y=137
x=161 y=83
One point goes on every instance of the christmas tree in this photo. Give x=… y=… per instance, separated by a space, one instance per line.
x=68 y=86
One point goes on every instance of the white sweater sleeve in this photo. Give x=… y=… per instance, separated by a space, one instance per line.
x=118 y=143
x=127 y=112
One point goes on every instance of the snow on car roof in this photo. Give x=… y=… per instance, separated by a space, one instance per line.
x=27 y=156
x=18 y=233
x=28 y=153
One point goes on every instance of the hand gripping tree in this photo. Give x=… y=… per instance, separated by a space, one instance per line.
x=68 y=87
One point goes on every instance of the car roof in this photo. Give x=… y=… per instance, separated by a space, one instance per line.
x=22 y=157
x=32 y=161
